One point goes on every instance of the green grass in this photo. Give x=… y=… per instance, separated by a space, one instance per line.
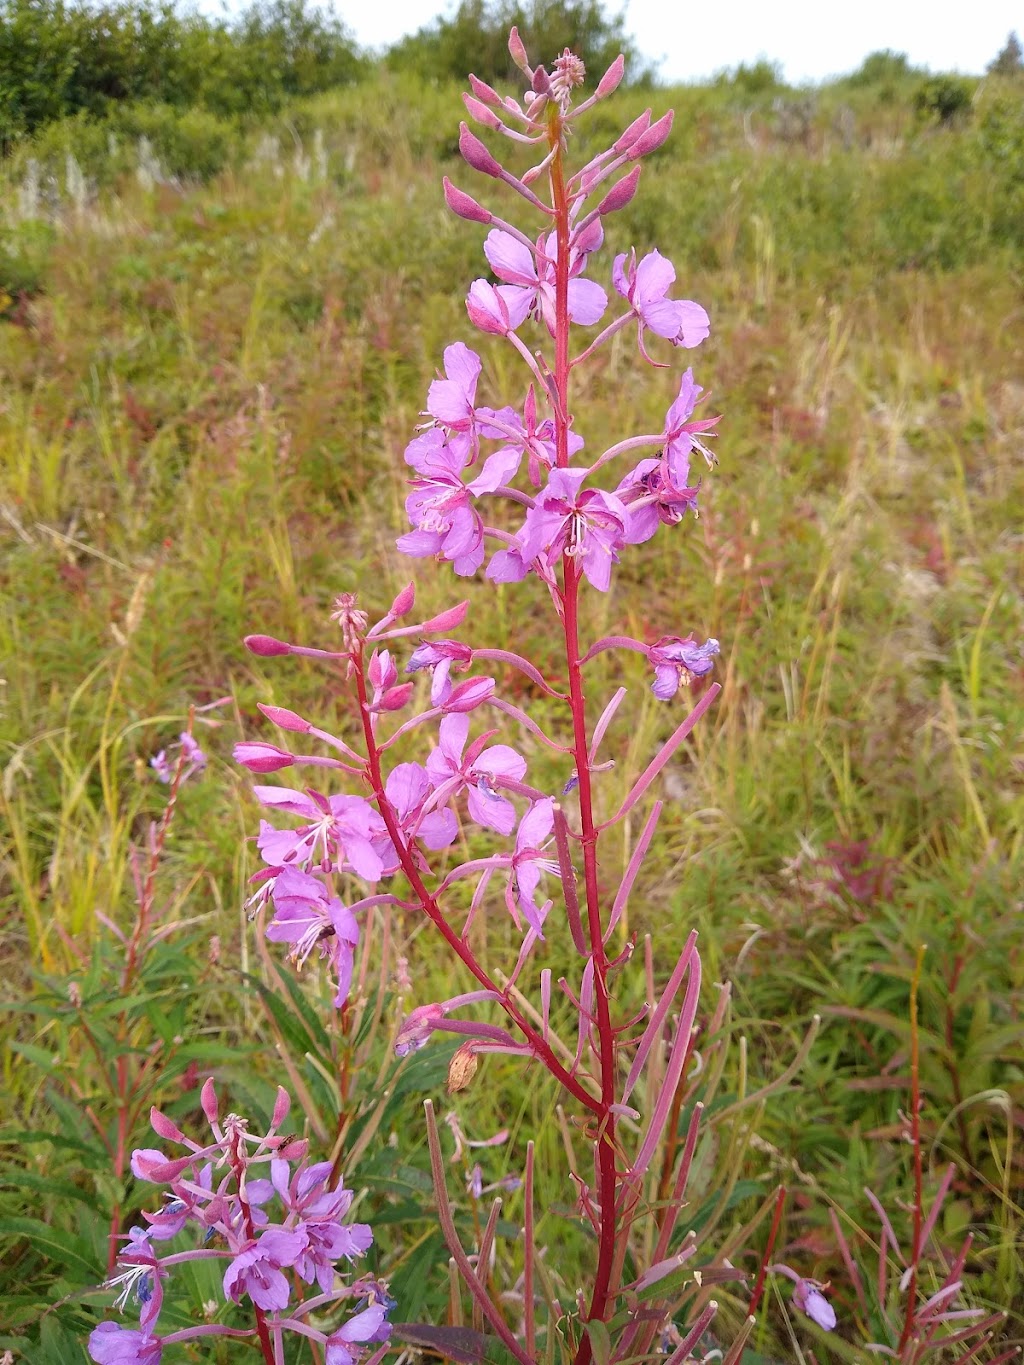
x=207 y=388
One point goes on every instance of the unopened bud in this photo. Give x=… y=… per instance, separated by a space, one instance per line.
x=447 y=620
x=208 y=1099
x=621 y=192
x=266 y=646
x=465 y=205
x=403 y=603
x=476 y=154
x=396 y=697
x=281 y=1106
x=611 y=78
x=262 y=758
x=635 y=129
x=468 y=695
x=653 y=138
x=481 y=113
x=285 y=719
x=485 y=93
x=518 y=53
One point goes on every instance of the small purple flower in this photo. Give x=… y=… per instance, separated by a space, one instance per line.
x=440 y=506
x=408 y=789
x=529 y=861
x=449 y=772
x=652 y=499
x=112 y=1344
x=810 y=1300
x=589 y=526
x=682 y=434
x=440 y=656
x=644 y=287
x=529 y=278
x=259 y=1270
x=450 y=401
x=308 y=917
x=190 y=752
x=339 y=828
x=369 y=1325
x=677 y=661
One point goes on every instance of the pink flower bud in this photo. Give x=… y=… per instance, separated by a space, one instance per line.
x=468 y=695
x=621 y=192
x=396 y=697
x=403 y=603
x=611 y=78
x=476 y=154
x=465 y=205
x=208 y=1099
x=266 y=646
x=163 y=1127
x=635 y=129
x=485 y=93
x=518 y=53
x=149 y=1164
x=262 y=758
x=481 y=113
x=653 y=138
x=417 y=1027
x=382 y=671
x=447 y=620
x=285 y=719
x=487 y=309
x=281 y=1106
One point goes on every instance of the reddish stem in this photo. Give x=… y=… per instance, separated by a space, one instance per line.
x=773 y=1232
x=915 y=1139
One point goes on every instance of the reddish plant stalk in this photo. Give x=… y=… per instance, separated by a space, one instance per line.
x=606 y=1169
x=773 y=1232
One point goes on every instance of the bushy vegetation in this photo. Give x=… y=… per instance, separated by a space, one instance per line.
x=213 y=348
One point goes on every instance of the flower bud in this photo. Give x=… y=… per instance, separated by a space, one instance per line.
x=163 y=1127
x=611 y=78
x=285 y=719
x=621 y=192
x=481 y=113
x=487 y=309
x=447 y=620
x=403 y=603
x=476 y=154
x=396 y=697
x=262 y=758
x=653 y=138
x=468 y=695
x=281 y=1107
x=465 y=205
x=266 y=646
x=518 y=53
x=208 y=1099
x=382 y=671
x=485 y=93
x=635 y=129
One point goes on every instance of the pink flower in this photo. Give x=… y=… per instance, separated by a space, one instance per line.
x=307 y=917
x=339 y=828
x=644 y=286
x=681 y=432
x=651 y=498
x=408 y=788
x=450 y=772
x=112 y=1344
x=677 y=661
x=529 y=861
x=440 y=656
x=588 y=526
x=258 y=1270
x=440 y=506
x=529 y=275
x=524 y=436
x=810 y=1300
x=450 y=401
x=369 y=1325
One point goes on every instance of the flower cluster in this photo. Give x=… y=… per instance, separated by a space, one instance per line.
x=190 y=758
x=227 y=1191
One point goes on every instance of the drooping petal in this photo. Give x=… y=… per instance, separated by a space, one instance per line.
x=511 y=260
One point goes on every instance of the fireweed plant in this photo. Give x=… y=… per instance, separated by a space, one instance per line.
x=575 y=520
x=625 y=1082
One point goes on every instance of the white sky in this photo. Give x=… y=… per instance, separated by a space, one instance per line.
x=811 y=38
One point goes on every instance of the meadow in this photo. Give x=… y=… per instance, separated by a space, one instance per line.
x=214 y=341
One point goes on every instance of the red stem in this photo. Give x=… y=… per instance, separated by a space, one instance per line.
x=773 y=1232
x=606 y=1171
x=463 y=952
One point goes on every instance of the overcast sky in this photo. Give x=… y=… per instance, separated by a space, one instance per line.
x=811 y=38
